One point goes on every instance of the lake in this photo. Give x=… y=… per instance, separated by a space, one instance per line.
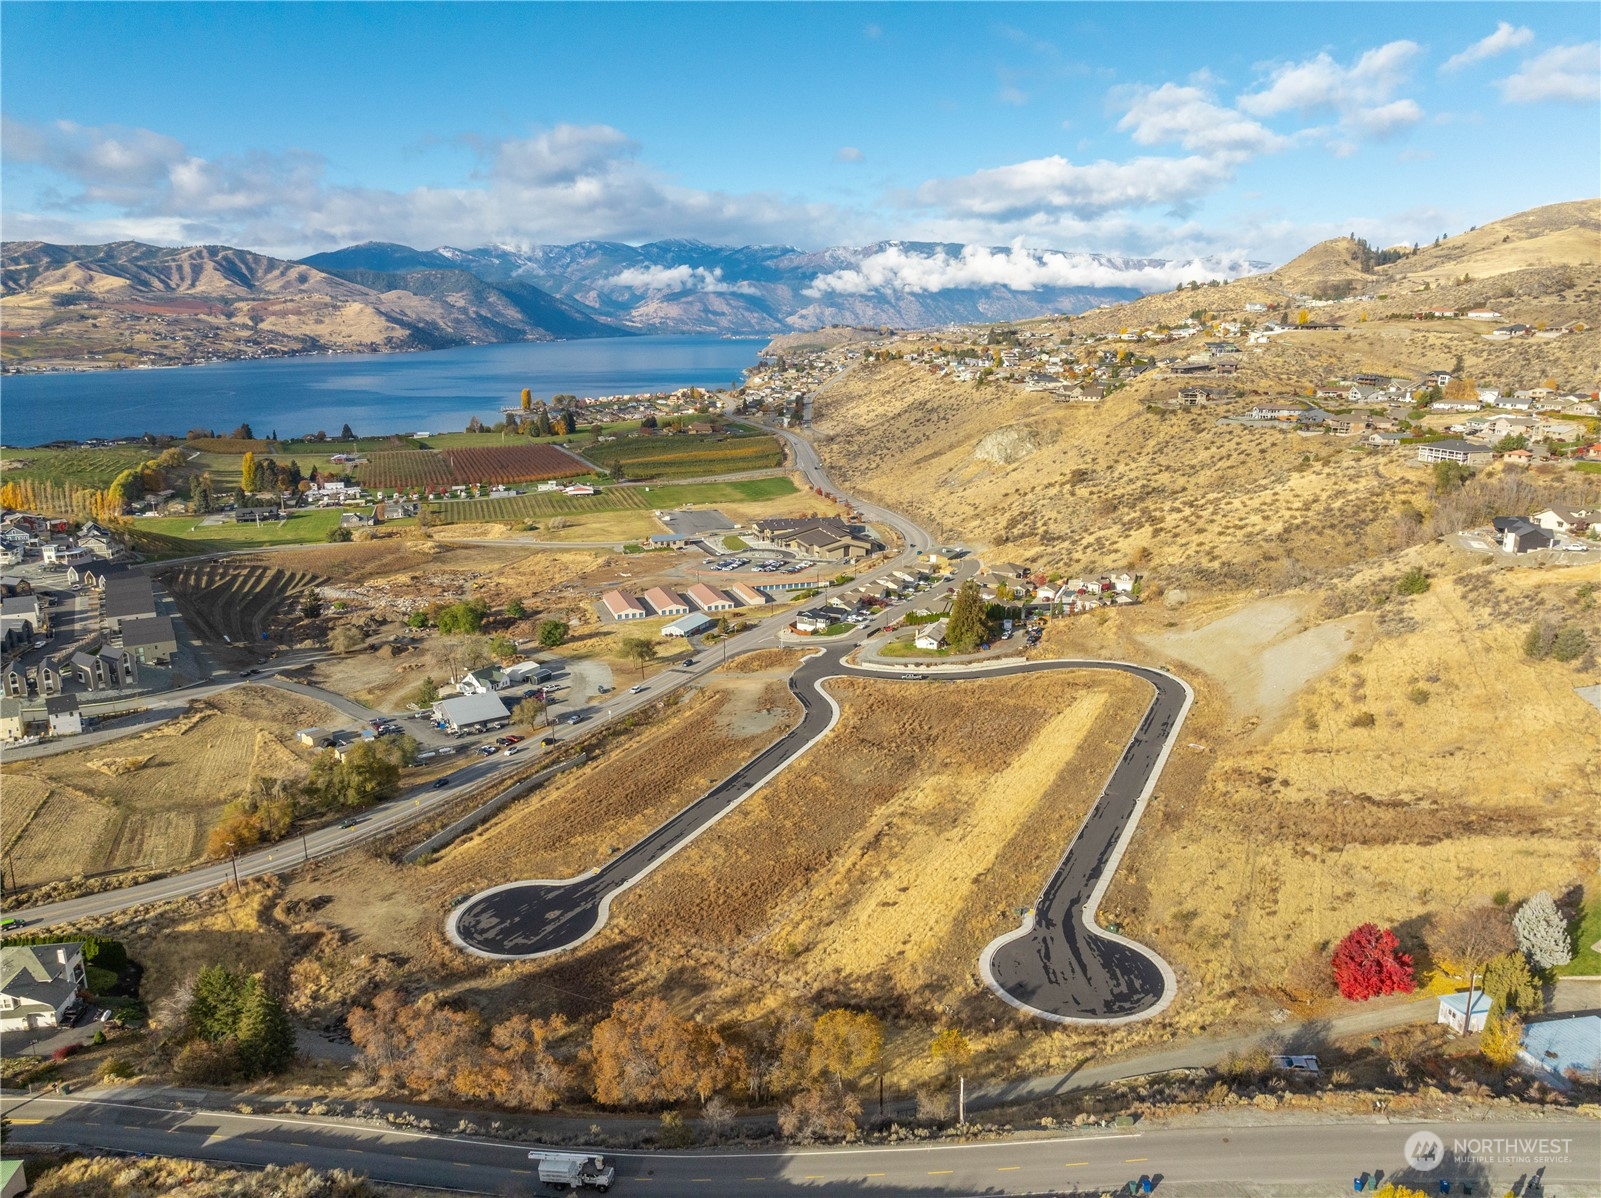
x=436 y=391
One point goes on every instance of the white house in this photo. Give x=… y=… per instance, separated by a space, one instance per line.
x=39 y=984
x=63 y=714
x=1454 y=1012
x=932 y=636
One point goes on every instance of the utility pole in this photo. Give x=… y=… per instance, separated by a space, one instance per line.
x=961 y=1102
x=233 y=860
x=304 y=847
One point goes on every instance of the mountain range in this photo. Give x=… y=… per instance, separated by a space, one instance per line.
x=128 y=303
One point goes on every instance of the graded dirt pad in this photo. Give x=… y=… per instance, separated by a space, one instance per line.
x=86 y=811
x=1432 y=768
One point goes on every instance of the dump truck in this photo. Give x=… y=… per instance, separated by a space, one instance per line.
x=573 y=1171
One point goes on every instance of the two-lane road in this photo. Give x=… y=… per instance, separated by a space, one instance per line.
x=1317 y=1160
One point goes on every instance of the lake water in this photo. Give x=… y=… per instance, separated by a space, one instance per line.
x=437 y=391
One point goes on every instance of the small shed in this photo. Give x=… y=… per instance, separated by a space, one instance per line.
x=1454 y=1012
x=13 y=1179
x=315 y=738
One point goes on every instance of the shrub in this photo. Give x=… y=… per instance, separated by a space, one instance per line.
x=1418 y=695
x=1413 y=582
x=1362 y=719
x=1542 y=933
x=62 y=1053
x=1368 y=962
x=338 y=536
x=1570 y=643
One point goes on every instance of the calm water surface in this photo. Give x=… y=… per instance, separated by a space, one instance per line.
x=436 y=392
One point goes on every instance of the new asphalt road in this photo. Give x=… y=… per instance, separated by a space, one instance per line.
x=1058 y=965
x=1314 y=1160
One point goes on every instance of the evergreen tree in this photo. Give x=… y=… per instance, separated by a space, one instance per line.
x=214 y=1010
x=264 y=1037
x=544 y=425
x=1542 y=933
x=966 y=628
x=346 y=433
x=569 y=422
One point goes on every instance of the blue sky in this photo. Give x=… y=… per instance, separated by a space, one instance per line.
x=1245 y=130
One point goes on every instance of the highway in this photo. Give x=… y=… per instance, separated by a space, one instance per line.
x=1315 y=1159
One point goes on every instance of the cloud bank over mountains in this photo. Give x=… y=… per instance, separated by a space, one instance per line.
x=1187 y=142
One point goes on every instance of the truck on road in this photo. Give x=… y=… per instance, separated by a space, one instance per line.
x=574 y=1170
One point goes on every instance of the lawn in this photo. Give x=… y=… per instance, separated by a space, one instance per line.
x=910 y=649
x=1586 y=961
x=179 y=536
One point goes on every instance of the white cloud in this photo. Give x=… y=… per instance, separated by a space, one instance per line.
x=560 y=184
x=676 y=278
x=1506 y=37
x=849 y=154
x=1362 y=94
x=1194 y=119
x=1018 y=268
x=1055 y=184
x=1570 y=73
x=1384 y=119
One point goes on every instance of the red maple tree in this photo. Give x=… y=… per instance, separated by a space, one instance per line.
x=1369 y=962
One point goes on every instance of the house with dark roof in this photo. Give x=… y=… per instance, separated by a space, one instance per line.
x=1518 y=534
x=151 y=639
x=126 y=596
x=39 y=984
x=63 y=715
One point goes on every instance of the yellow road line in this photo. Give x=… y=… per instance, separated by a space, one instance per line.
x=938 y=1172
x=1134 y=1160
x=1008 y=1168
x=1074 y=1164
x=20 y=1122
x=872 y=1175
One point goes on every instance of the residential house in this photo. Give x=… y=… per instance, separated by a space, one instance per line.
x=1517 y=534
x=15 y=682
x=61 y=711
x=932 y=636
x=812 y=620
x=46 y=679
x=153 y=640
x=1482 y=314
x=126 y=596
x=13 y=723
x=622 y=607
x=482 y=681
x=665 y=602
x=40 y=984
x=1560 y=518
x=1275 y=411
x=1464 y=453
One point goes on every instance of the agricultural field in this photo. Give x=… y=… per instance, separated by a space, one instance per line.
x=148 y=801
x=82 y=467
x=610 y=499
x=236 y=601
x=687 y=455
x=512 y=463
x=415 y=469
x=405 y=470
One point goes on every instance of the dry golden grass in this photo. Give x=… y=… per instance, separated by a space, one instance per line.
x=82 y=812
x=1477 y=775
x=159 y=1177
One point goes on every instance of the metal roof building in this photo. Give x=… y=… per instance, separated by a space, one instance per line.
x=469 y=711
